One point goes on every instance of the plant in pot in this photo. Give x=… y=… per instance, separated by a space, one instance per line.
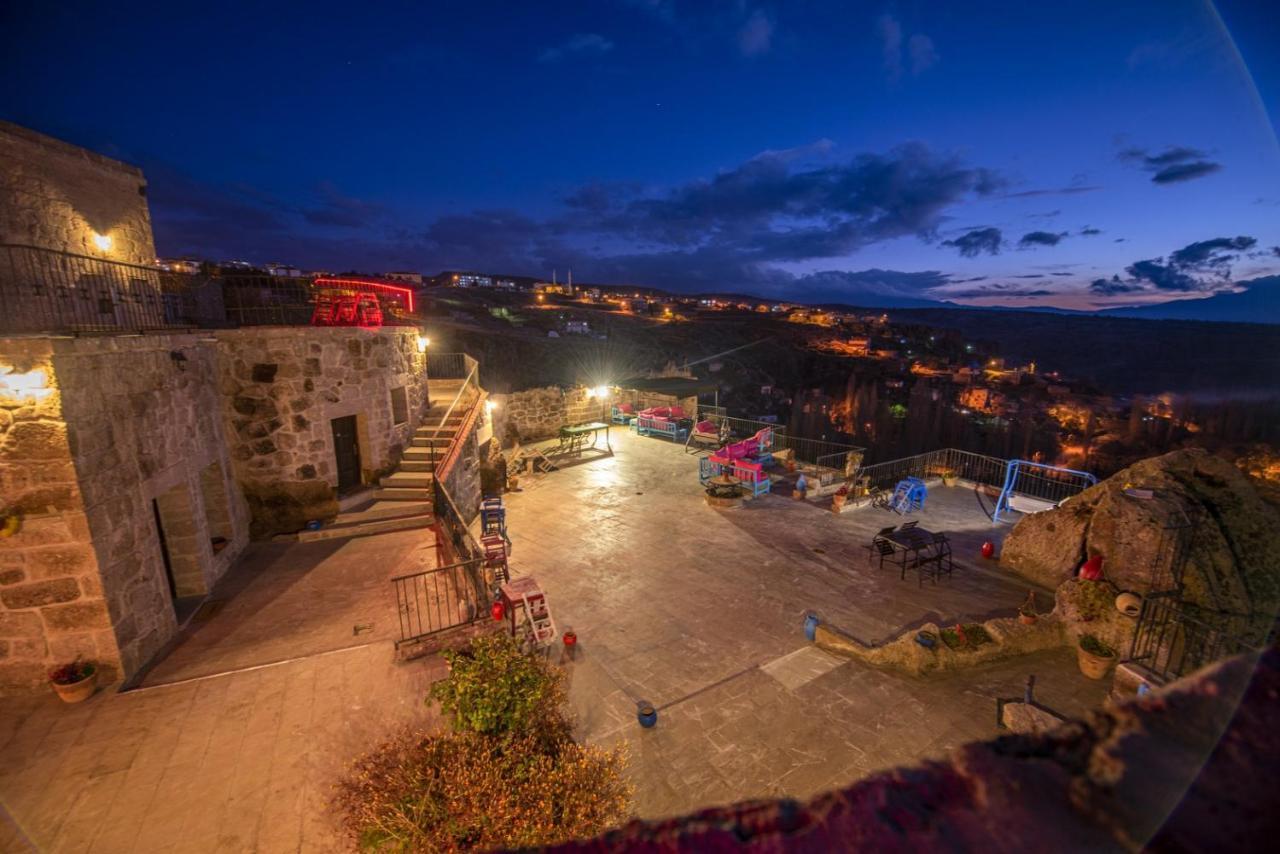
x=1094 y=656
x=74 y=682
x=1027 y=614
x=839 y=497
x=949 y=477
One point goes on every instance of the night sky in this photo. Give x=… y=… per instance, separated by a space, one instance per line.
x=1068 y=154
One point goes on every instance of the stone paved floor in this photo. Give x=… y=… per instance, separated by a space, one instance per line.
x=288 y=600
x=699 y=611
x=242 y=761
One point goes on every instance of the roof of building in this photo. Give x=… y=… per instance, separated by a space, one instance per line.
x=680 y=386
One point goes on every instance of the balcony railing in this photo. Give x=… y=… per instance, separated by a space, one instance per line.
x=46 y=291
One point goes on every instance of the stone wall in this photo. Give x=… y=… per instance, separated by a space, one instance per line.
x=281 y=387
x=57 y=196
x=125 y=424
x=539 y=413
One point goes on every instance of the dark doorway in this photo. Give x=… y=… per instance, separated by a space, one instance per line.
x=164 y=550
x=346 y=450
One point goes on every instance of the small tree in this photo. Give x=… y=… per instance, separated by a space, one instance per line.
x=495 y=689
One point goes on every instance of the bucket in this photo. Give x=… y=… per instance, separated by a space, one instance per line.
x=810 y=626
x=646 y=714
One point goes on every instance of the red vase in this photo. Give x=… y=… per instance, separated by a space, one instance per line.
x=988 y=549
x=1091 y=569
x=498 y=611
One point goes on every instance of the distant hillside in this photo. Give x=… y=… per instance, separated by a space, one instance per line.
x=1259 y=304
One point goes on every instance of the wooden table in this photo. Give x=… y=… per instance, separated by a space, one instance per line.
x=573 y=439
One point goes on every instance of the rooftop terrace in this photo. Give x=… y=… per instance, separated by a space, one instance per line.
x=699 y=611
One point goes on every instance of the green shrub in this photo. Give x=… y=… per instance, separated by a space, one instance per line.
x=1095 y=599
x=494 y=688
x=1094 y=646
x=464 y=790
x=975 y=635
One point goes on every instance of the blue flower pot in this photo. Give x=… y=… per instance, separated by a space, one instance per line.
x=314 y=525
x=647 y=715
x=926 y=639
x=810 y=626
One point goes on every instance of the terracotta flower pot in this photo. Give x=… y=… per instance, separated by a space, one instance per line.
x=837 y=502
x=1093 y=666
x=77 y=692
x=1028 y=619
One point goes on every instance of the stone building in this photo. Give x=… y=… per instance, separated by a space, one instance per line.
x=135 y=468
x=59 y=196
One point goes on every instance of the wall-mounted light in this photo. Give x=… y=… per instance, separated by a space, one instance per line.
x=490 y=405
x=29 y=385
x=600 y=391
x=423 y=343
x=102 y=241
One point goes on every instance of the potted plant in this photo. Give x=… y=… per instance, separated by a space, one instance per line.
x=1027 y=614
x=1094 y=657
x=949 y=477
x=839 y=497
x=74 y=682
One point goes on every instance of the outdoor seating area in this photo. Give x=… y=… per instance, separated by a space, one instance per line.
x=912 y=548
x=664 y=422
x=744 y=462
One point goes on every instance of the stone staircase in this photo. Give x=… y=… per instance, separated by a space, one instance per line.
x=402 y=500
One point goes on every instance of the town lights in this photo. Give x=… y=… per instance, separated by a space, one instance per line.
x=102 y=241
x=423 y=342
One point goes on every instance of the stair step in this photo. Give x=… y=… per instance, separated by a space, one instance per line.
x=403 y=493
x=377 y=512
x=416 y=466
x=364 y=529
x=417 y=454
x=413 y=479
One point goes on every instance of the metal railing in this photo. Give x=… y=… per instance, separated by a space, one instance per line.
x=437 y=599
x=966 y=465
x=818 y=452
x=460 y=407
x=449 y=366
x=1174 y=638
x=54 y=292
x=452 y=529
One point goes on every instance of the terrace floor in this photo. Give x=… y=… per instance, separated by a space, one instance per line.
x=699 y=611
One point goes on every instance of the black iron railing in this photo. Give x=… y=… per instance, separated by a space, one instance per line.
x=1174 y=638
x=53 y=292
x=443 y=598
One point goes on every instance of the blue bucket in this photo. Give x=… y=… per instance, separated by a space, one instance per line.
x=810 y=626
x=647 y=715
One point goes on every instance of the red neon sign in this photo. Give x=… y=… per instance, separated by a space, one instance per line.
x=406 y=293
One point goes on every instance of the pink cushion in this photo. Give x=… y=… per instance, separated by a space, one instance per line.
x=626 y=408
x=675 y=412
x=706 y=427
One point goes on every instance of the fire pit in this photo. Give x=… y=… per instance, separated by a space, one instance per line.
x=723 y=491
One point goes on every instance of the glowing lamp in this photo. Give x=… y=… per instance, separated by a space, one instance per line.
x=497 y=611
x=32 y=385
x=988 y=550
x=601 y=391
x=102 y=241
x=490 y=405
x=423 y=341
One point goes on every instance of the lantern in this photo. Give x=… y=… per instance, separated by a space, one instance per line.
x=570 y=638
x=988 y=549
x=498 y=611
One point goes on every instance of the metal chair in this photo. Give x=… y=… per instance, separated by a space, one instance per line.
x=924 y=566
x=871 y=546
x=907 y=526
x=942 y=552
x=887 y=552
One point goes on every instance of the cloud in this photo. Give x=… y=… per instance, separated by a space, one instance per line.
x=997 y=290
x=583 y=44
x=1173 y=165
x=1053 y=191
x=923 y=55
x=1090 y=231
x=973 y=243
x=756 y=35
x=1203 y=266
x=1041 y=238
x=1212 y=254
x=920 y=53
x=342 y=211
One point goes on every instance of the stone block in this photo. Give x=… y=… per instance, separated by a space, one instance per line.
x=40 y=593
x=35 y=440
x=24 y=624
x=59 y=561
x=20 y=677
x=76 y=617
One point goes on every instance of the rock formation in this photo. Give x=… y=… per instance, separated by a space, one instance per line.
x=1200 y=502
